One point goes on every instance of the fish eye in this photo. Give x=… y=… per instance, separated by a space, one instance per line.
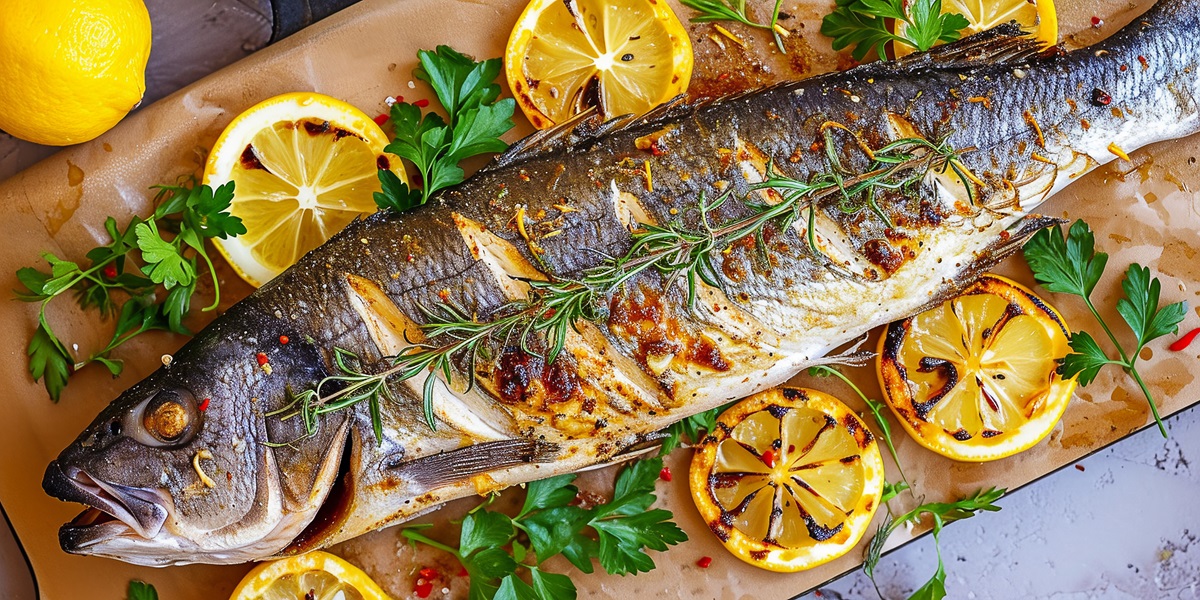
x=167 y=419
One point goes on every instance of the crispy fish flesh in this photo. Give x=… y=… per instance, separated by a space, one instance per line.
x=206 y=460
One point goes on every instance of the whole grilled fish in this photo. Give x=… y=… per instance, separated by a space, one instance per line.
x=710 y=251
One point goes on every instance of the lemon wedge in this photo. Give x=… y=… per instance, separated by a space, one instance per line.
x=316 y=575
x=975 y=378
x=789 y=479
x=619 y=56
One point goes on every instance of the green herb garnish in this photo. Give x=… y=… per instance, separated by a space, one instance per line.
x=477 y=119
x=1072 y=266
x=941 y=513
x=115 y=286
x=140 y=590
x=865 y=24
x=735 y=10
x=616 y=534
x=691 y=429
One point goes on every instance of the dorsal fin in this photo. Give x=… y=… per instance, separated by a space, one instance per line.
x=580 y=129
x=1002 y=44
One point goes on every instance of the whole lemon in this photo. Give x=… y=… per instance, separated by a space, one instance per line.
x=70 y=69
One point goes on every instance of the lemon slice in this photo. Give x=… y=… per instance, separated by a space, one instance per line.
x=304 y=166
x=620 y=56
x=1038 y=17
x=788 y=480
x=975 y=378
x=316 y=575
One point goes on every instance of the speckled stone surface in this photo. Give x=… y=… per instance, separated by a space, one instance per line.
x=1122 y=524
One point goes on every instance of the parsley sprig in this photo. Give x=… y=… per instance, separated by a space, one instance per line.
x=115 y=284
x=1071 y=265
x=492 y=545
x=941 y=513
x=866 y=25
x=735 y=10
x=436 y=146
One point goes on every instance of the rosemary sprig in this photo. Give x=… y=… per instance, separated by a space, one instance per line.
x=735 y=10
x=552 y=309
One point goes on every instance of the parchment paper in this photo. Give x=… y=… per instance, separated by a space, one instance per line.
x=1143 y=211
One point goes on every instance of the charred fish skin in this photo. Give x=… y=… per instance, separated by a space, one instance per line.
x=1022 y=124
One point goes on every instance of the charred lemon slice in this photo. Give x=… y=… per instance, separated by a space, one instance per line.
x=304 y=166
x=1037 y=17
x=620 y=56
x=975 y=378
x=788 y=480
x=318 y=575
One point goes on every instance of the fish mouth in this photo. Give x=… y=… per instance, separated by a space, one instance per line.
x=113 y=510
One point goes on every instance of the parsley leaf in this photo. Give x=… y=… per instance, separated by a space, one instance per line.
x=49 y=360
x=193 y=214
x=164 y=263
x=1066 y=266
x=435 y=146
x=1140 y=308
x=139 y=590
x=1085 y=360
x=1071 y=265
x=865 y=24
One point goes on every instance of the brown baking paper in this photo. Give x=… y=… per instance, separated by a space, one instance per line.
x=1143 y=211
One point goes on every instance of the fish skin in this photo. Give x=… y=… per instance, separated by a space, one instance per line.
x=364 y=291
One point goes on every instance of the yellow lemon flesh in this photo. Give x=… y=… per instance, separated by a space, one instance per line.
x=975 y=379
x=317 y=575
x=789 y=479
x=1037 y=17
x=303 y=165
x=619 y=56
x=70 y=70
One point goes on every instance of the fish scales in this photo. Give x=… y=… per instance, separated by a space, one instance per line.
x=559 y=204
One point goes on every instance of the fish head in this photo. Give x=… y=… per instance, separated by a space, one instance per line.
x=183 y=467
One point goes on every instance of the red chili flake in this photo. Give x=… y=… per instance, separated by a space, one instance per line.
x=1097 y=22
x=204 y=405
x=423 y=588
x=283 y=339
x=261 y=358
x=1182 y=343
x=768 y=458
x=380 y=120
x=1145 y=63
x=399 y=98
x=1080 y=468
x=1101 y=97
x=110 y=271
x=1124 y=68
x=428 y=573
x=422 y=103
x=462 y=572
x=665 y=474
x=704 y=562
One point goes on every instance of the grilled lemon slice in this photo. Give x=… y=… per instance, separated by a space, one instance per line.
x=304 y=166
x=1037 y=17
x=975 y=378
x=789 y=479
x=318 y=575
x=620 y=56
